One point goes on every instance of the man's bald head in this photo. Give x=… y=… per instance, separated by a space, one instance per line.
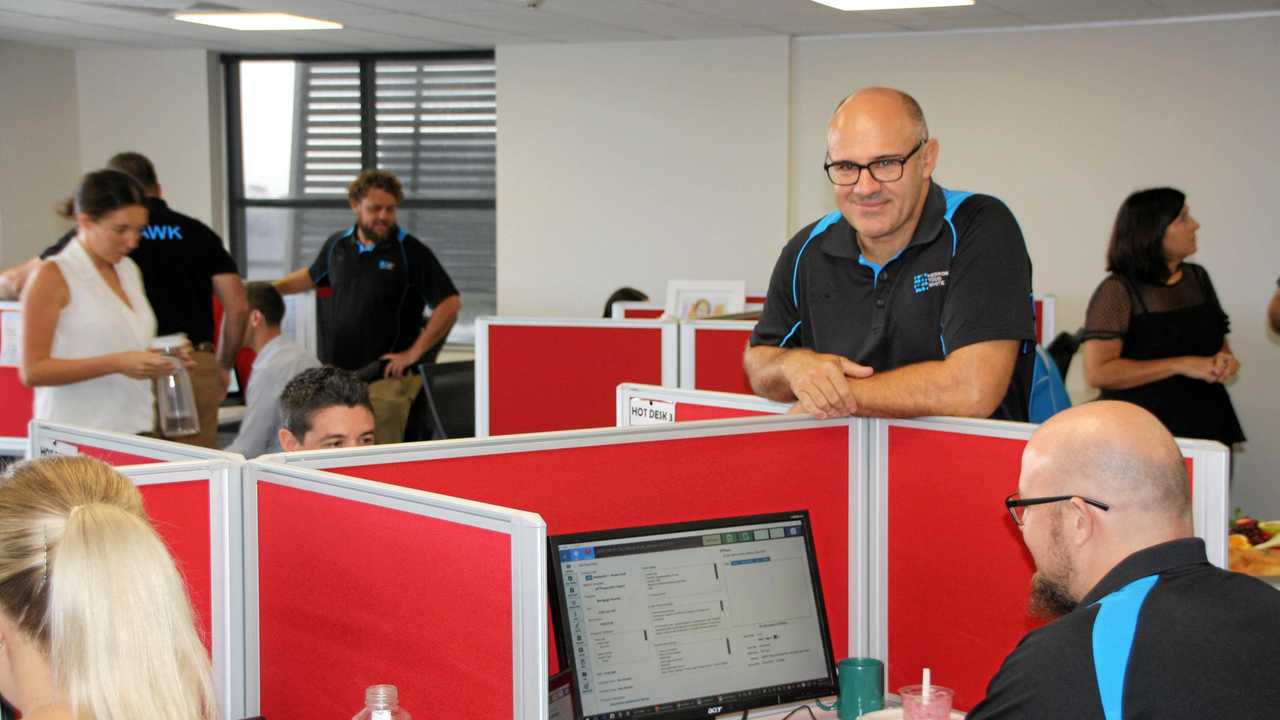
x=885 y=105
x=1111 y=451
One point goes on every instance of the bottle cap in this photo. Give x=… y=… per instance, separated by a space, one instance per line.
x=381 y=695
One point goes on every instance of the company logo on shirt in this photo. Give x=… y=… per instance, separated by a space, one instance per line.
x=162 y=232
x=925 y=282
x=386 y=265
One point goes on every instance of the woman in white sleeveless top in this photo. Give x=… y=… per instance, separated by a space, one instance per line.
x=86 y=319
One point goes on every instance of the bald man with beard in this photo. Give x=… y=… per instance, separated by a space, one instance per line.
x=1146 y=627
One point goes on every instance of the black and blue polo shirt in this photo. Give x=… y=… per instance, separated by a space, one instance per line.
x=379 y=295
x=1163 y=635
x=965 y=277
x=178 y=257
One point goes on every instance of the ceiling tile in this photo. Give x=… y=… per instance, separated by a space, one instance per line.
x=441 y=31
x=446 y=24
x=1207 y=7
x=545 y=24
x=336 y=10
x=796 y=18
x=657 y=18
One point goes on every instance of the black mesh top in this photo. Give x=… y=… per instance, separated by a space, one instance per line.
x=1117 y=300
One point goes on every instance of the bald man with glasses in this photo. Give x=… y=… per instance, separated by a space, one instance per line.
x=1145 y=627
x=909 y=299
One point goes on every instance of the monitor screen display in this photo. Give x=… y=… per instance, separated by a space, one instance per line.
x=560 y=697
x=693 y=619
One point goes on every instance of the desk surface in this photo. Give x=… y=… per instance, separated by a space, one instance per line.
x=780 y=711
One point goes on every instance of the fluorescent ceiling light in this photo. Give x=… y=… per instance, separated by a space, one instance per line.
x=891 y=4
x=257 y=21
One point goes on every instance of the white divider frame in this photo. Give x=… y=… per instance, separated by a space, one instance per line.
x=619 y=309
x=49 y=438
x=1209 y=500
x=631 y=391
x=858 y=531
x=1210 y=497
x=12 y=446
x=226 y=564
x=670 y=362
x=1048 y=309
x=15 y=447
x=688 y=344
x=528 y=566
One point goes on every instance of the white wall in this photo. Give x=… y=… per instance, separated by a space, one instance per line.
x=166 y=105
x=637 y=163
x=39 y=146
x=1062 y=125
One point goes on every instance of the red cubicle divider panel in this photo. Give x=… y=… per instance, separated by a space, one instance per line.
x=179 y=511
x=717 y=359
x=352 y=594
x=958 y=571
x=115 y=458
x=563 y=377
x=17 y=402
x=577 y=489
x=116 y=449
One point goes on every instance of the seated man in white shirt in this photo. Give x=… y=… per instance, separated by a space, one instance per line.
x=279 y=360
x=325 y=407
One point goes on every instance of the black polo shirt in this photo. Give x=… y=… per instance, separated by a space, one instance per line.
x=379 y=295
x=942 y=292
x=178 y=257
x=1203 y=647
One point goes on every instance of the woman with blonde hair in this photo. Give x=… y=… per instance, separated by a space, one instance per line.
x=95 y=623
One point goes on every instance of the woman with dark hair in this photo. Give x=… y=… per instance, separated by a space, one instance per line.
x=86 y=321
x=1155 y=334
x=622 y=294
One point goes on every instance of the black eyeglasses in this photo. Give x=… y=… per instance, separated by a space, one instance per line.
x=847 y=172
x=1017 y=505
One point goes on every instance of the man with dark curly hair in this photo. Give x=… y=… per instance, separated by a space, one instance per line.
x=325 y=407
x=382 y=279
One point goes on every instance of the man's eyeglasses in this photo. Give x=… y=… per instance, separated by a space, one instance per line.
x=1017 y=506
x=847 y=172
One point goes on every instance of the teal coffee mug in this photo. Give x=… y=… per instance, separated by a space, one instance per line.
x=861 y=687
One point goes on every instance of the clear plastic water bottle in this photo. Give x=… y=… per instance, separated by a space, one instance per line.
x=175 y=397
x=381 y=702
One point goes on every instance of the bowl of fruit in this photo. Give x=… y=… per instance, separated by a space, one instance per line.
x=1253 y=547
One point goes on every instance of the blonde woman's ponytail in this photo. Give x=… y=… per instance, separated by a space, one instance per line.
x=98 y=588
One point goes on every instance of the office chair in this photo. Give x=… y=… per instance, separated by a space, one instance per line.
x=449 y=392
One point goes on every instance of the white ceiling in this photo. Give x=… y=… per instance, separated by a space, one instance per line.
x=423 y=25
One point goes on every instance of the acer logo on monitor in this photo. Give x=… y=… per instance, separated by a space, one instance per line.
x=714 y=710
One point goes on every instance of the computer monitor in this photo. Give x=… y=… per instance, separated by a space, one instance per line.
x=560 y=697
x=693 y=619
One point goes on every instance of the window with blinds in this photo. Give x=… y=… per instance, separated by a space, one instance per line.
x=303 y=128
